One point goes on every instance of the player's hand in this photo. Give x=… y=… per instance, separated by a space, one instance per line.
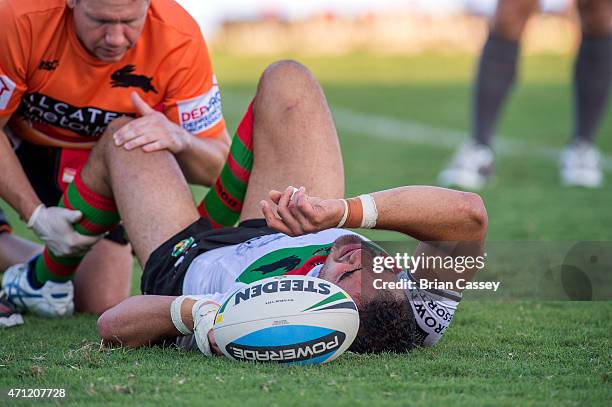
x=153 y=131
x=54 y=226
x=299 y=214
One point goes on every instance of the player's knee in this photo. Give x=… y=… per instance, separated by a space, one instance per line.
x=286 y=84
x=476 y=213
x=595 y=17
x=285 y=70
x=108 y=326
x=107 y=136
x=106 y=142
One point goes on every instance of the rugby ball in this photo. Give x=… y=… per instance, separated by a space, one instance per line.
x=287 y=319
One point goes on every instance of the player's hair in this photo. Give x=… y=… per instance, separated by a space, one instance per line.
x=386 y=324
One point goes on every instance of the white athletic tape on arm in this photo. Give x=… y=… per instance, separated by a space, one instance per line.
x=204 y=312
x=175 y=313
x=345 y=215
x=370 y=212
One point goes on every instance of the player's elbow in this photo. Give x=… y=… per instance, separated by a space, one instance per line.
x=477 y=221
x=109 y=328
x=105 y=326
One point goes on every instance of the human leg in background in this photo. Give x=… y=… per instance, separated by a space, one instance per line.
x=580 y=161
x=472 y=164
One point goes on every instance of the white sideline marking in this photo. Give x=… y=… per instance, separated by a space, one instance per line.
x=405 y=131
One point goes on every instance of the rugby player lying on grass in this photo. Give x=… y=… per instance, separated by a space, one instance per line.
x=297 y=147
x=189 y=268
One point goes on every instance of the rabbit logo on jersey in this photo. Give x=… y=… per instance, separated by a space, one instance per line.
x=202 y=112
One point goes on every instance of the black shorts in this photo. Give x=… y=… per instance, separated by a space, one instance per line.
x=166 y=268
x=42 y=166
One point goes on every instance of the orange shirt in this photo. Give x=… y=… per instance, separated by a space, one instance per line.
x=57 y=94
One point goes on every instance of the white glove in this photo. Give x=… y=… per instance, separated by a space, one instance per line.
x=54 y=227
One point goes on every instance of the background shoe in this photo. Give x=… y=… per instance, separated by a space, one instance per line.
x=8 y=314
x=52 y=300
x=580 y=166
x=470 y=168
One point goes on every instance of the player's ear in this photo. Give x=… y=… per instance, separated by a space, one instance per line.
x=71 y=3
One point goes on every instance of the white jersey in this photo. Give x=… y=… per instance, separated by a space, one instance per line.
x=218 y=273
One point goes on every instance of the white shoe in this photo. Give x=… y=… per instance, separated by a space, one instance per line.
x=470 y=168
x=580 y=166
x=52 y=300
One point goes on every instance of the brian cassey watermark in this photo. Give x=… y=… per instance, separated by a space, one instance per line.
x=456 y=272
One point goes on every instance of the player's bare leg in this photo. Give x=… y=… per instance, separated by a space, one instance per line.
x=104 y=277
x=511 y=18
x=595 y=17
x=294 y=138
x=150 y=191
x=14 y=249
x=147 y=190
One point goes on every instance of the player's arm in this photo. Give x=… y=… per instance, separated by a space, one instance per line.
x=15 y=188
x=138 y=321
x=145 y=320
x=422 y=212
x=15 y=43
x=201 y=158
x=54 y=226
x=447 y=222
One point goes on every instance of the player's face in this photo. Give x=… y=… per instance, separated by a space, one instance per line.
x=108 y=28
x=349 y=265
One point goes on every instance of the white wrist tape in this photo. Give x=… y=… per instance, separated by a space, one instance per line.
x=204 y=312
x=370 y=213
x=34 y=215
x=345 y=216
x=175 y=313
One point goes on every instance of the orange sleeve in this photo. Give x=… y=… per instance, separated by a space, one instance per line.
x=193 y=100
x=15 y=45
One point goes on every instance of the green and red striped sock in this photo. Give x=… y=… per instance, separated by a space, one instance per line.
x=222 y=204
x=99 y=216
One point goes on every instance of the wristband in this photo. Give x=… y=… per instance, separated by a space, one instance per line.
x=345 y=215
x=362 y=212
x=175 y=314
x=370 y=212
x=355 y=213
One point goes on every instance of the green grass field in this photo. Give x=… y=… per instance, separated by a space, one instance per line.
x=399 y=119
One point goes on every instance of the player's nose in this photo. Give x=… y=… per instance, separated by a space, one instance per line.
x=115 y=36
